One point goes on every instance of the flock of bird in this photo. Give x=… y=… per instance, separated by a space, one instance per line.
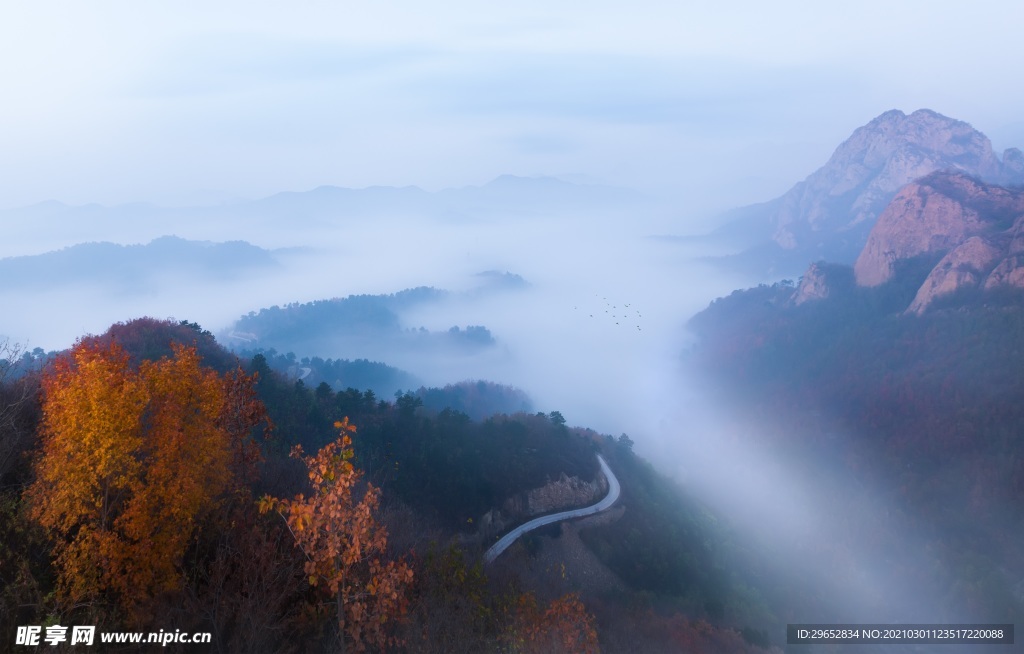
x=622 y=315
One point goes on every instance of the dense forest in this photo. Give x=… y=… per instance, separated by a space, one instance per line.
x=478 y=399
x=339 y=374
x=149 y=479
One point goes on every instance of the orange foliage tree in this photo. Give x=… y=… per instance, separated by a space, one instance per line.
x=565 y=627
x=131 y=462
x=344 y=545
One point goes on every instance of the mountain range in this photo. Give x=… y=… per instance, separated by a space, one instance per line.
x=52 y=225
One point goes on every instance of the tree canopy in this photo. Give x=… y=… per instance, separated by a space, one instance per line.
x=131 y=461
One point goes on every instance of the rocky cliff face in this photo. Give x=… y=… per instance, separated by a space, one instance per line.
x=1010 y=270
x=813 y=285
x=963 y=266
x=830 y=214
x=932 y=215
x=559 y=495
x=565 y=493
x=978 y=227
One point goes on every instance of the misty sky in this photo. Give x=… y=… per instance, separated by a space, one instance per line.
x=719 y=103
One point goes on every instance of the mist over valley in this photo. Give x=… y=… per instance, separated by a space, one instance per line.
x=582 y=253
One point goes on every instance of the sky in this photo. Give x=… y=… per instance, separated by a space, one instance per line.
x=714 y=104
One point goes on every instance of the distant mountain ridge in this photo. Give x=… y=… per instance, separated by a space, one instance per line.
x=511 y=193
x=829 y=214
x=278 y=218
x=128 y=266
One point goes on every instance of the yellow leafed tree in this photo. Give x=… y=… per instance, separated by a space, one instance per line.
x=187 y=458
x=89 y=468
x=131 y=461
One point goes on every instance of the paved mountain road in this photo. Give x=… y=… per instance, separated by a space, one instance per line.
x=613 y=494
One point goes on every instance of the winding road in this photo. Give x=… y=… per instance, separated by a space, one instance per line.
x=613 y=494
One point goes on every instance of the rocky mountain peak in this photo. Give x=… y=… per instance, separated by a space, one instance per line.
x=849 y=192
x=929 y=133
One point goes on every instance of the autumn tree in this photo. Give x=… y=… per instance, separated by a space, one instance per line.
x=344 y=545
x=131 y=462
x=186 y=455
x=242 y=412
x=88 y=469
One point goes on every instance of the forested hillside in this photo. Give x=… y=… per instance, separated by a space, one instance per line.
x=222 y=488
x=359 y=327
